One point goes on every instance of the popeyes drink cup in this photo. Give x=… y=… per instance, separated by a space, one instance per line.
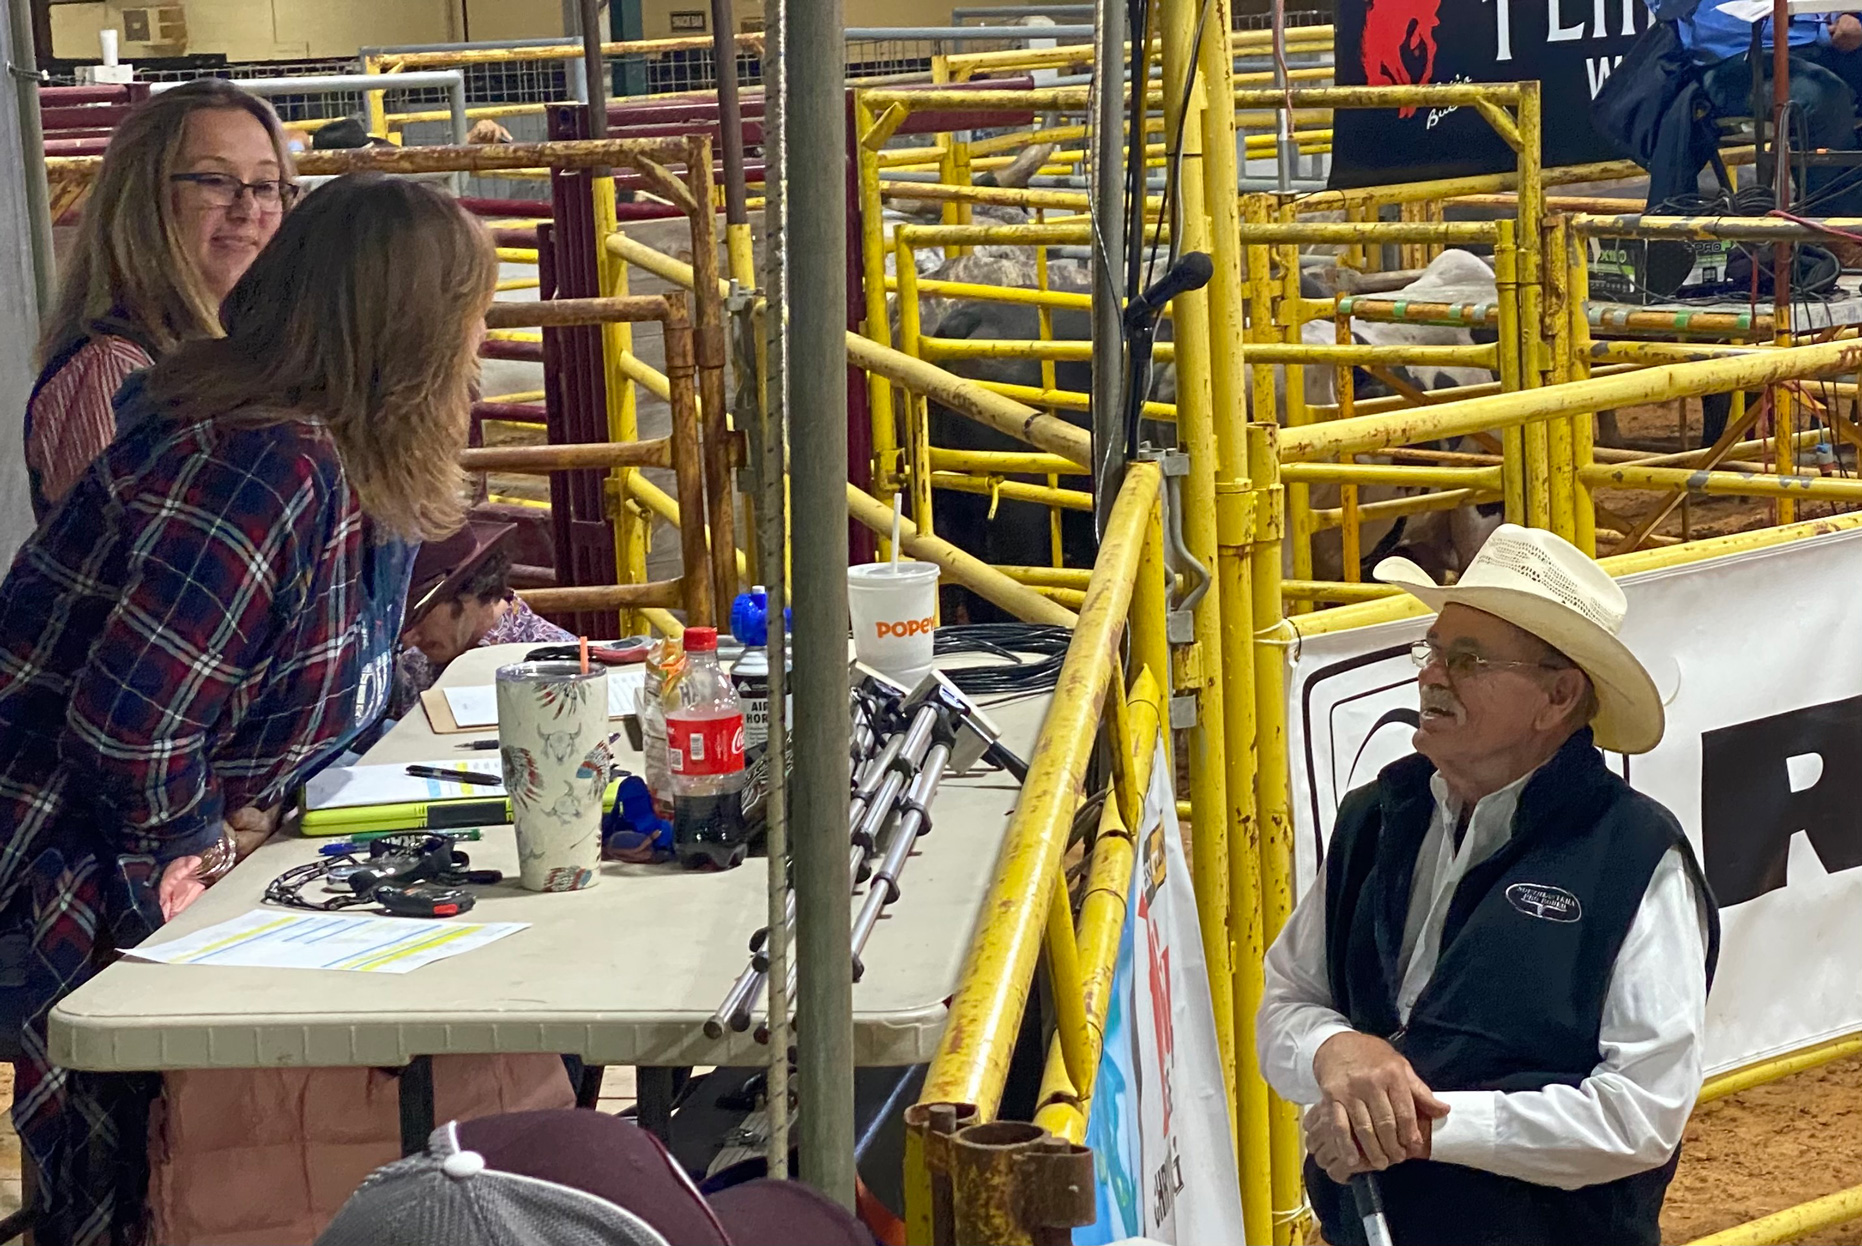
x=894 y=609
x=553 y=737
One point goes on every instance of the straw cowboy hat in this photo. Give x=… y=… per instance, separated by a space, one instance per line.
x=1541 y=584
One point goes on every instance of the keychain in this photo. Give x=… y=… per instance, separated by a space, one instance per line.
x=412 y=875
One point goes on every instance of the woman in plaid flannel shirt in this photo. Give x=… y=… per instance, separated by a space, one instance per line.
x=212 y=613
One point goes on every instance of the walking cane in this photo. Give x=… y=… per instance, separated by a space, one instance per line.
x=1370 y=1203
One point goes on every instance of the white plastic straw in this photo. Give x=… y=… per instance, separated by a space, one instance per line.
x=896 y=519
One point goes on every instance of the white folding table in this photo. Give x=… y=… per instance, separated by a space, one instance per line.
x=625 y=972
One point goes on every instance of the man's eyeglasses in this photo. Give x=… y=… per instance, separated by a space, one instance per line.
x=222 y=190
x=1463 y=664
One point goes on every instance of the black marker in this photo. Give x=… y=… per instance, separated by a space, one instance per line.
x=456 y=776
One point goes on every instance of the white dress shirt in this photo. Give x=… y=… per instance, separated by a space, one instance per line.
x=1625 y=1117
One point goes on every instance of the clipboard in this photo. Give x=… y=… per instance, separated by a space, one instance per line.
x=622 y=688
x=440 y=715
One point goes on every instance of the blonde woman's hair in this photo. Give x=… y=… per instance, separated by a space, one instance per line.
x=130 y=261
x=359 y=314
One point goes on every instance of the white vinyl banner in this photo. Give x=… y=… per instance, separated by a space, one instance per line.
x=1759 y=658
x=1159 y=1120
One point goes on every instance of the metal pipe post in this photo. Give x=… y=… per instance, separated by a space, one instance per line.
x=32 y=152
x=817 y=319
x=1196 y=434
x=731 y=144
x=1108 y=208
x=591 y=59
x=772 y=517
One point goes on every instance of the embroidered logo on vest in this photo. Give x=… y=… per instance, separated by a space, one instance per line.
x=1552 y=904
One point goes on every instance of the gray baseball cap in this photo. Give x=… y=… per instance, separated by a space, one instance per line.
x=572 y=1178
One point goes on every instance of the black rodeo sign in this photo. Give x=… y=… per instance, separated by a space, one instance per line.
x=1568 y=46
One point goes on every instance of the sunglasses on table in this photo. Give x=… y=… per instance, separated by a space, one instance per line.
x=222 y=190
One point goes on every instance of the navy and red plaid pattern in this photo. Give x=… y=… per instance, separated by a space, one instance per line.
x=178 y=639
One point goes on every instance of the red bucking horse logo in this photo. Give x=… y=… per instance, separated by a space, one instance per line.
x=1398 y=46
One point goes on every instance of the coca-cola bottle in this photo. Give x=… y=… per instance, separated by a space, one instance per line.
x=705 y=746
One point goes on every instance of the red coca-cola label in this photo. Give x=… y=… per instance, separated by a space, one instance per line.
x=706 y=745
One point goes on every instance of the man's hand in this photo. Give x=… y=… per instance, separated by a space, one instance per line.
x=1376 y=1111
x=1846 y=33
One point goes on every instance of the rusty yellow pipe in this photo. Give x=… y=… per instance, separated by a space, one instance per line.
x=1067 y=989
x=1070 y=399
x=1791 y=1224
x=917 y=467
x=1403 y=606
x=1183 y=104
x=1457 y=419
x=666 y=507
x=964 y=64
x=1004 y=462
x=876 y=326
x=1658 y=353
x=1764 y=1072
x=1024 y=423
x=1335 y=590
x=1344 y=233
x=1258 y=353
x=1052 y=577
x=1729 y=484
x=1014 y=490
x=971 y=572
x=1273 y=793
x=1583 y=425
x=1400 y=474
x=999 y=294
x=1452 y=499
x=985 y=1010
x=1727 y=228
x=1065 y=1106
x=1150 y=626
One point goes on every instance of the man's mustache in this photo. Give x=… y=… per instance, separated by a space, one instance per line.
x=1440 y=699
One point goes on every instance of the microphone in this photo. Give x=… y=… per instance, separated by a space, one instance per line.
x=1191 y=272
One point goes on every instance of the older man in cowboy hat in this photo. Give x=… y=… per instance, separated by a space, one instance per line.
x=1492 y=998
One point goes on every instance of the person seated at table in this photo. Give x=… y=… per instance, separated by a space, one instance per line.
x=192 y=186
x=461 y=599
x=1826 y=81
x=210 y=613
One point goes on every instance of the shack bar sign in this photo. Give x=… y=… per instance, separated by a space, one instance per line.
x=1569 y=46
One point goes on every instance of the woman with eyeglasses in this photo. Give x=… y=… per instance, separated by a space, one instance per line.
x=193 y=186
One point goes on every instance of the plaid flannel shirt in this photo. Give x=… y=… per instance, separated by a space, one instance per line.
x=179 y=638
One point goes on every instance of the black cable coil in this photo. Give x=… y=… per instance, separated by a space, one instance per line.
x=1031 y=653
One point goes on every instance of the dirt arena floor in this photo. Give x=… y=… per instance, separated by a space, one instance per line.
x=1770 y=1148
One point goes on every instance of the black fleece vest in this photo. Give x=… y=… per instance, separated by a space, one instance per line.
x=1516 y=999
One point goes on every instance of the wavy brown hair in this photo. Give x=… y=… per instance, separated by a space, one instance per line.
x=130 y=259
x=360 y=313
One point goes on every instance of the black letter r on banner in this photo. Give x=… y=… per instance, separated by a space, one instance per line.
x=1748 y=811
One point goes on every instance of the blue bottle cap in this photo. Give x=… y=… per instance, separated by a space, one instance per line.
x=749 y=618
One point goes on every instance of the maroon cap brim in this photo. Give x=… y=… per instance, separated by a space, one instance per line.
x=785 y=1213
